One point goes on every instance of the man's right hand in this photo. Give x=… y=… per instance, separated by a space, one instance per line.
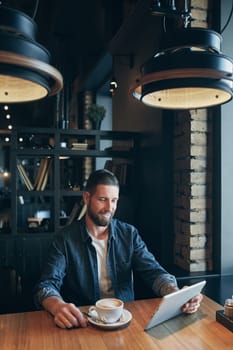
x=66 y=315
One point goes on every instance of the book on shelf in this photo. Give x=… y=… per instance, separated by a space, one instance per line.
x=77 y=212
x=24 y=177
x=79 y=146
x=39 y=172
x=82 y=212
x=73 y=213
x=41 y=177
x=46 y=175
x=42 y=174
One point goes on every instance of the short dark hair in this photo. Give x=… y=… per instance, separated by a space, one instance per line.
x=101 y=177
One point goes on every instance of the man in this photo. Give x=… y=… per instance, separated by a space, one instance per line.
x=95 y=257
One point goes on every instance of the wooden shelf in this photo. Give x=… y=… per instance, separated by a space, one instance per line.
x=66 y=167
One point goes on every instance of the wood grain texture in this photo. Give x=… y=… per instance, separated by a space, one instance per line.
x=36 y=330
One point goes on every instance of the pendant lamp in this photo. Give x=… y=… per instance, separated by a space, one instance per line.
x=25 y=70
x=188 y=73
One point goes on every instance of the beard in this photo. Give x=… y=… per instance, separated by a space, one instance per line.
x=99 y=219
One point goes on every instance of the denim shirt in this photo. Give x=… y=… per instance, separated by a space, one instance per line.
x=71 y=269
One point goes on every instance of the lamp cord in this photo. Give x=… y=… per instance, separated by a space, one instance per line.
x=185 y=14
x=35 y=9
x=228 y=20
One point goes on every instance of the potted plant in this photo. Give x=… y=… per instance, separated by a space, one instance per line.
x=96 y=114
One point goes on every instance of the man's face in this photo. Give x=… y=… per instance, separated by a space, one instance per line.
x=102 y=204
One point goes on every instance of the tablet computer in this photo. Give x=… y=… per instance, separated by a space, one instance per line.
x=171 y=304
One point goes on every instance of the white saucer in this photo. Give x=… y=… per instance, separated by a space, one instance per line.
x=123 y=322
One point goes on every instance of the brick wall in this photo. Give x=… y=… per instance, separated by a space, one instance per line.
x=192 y=190
x=193 y=179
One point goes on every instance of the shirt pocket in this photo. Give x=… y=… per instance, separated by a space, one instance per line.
x=124 y=270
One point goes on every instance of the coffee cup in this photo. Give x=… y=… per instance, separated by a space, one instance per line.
x=108 y=310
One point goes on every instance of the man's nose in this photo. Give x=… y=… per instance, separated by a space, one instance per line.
x=109 y=206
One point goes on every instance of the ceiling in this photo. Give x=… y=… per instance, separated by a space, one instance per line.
x=71 y=25
x=74 y=32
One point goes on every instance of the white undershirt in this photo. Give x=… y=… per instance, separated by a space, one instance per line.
x=103 y=277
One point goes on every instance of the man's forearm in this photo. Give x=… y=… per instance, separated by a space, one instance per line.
x=168 y=288
x=165 y=284
x=43 y=292
x=52 y=303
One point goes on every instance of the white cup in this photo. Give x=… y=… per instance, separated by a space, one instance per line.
x=108 y=310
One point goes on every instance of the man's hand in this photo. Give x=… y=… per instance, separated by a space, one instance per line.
x=66 y=315
x=192 y=305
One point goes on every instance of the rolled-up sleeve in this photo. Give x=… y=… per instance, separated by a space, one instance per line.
x=164 y=284
x=53 y=273
x=44 y=293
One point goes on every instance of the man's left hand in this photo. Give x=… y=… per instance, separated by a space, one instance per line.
x=192 y=305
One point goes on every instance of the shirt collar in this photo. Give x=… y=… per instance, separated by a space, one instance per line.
x=85 y=235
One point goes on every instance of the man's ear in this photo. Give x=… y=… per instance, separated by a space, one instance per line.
x=86 y=196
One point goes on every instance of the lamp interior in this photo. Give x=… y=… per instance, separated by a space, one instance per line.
x=186 y=97
x=20 y=90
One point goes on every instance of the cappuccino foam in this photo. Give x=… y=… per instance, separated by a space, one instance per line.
x=109 y=304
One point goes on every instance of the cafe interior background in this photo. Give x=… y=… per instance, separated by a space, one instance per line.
x=181 y=192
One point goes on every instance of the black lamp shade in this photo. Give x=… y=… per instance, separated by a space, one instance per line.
x=17 y=22
x=25 y=70
x=191 y=73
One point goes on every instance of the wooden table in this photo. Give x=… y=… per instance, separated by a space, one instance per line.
x=36 y=331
